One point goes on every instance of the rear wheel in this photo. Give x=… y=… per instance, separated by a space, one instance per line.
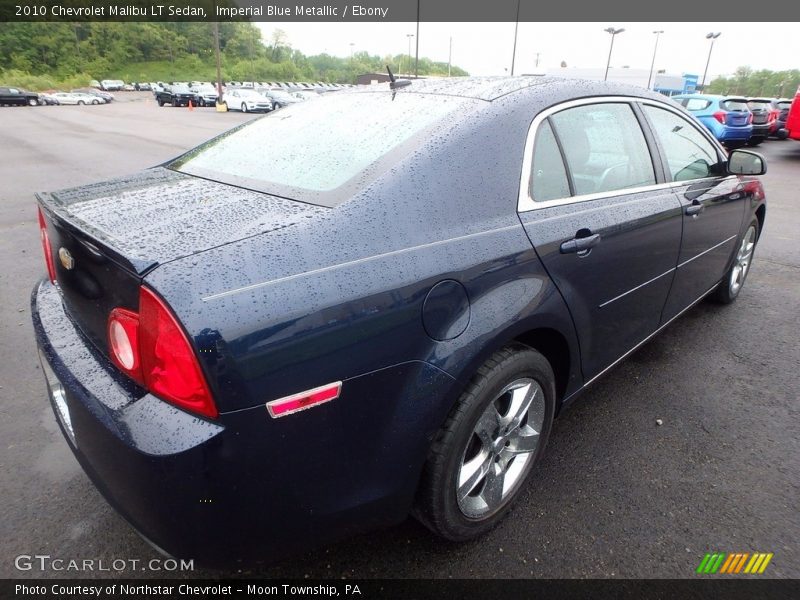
x=753 y=142
x=81 y=102
x=728 y=289
x=160 y=102
x=33 y=102
x=244 y=107
x=488 y=446
x=95 y=101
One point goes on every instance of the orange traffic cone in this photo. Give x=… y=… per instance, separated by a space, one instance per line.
x=191 y=106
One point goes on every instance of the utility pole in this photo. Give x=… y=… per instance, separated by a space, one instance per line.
x=537 y=59
x=450 y=56
x=409 y=36
x=219 y=63
x=416 y=60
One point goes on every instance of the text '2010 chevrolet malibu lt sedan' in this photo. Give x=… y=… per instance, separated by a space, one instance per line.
x=249 y=355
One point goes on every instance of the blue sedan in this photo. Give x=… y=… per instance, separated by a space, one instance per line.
x=728 y=118
x=250 y=354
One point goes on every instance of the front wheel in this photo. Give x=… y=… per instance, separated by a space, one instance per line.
x=728 y=289
x=244 y=107
x=33 y=102
x=488 y=446
x=81 y=102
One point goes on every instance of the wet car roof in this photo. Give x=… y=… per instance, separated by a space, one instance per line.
x=492 y=88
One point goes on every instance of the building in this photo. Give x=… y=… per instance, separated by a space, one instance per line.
x=667 y=84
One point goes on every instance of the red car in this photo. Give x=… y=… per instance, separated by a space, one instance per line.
x=793 y=120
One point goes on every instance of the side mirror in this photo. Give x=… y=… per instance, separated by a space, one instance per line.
x=745 y=162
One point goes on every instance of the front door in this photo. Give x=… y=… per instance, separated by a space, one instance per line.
x=712 y=203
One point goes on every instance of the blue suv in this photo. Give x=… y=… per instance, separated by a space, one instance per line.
x=728 y=118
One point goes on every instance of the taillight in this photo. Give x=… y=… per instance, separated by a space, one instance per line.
x=720 y=116
x=749 y=118
x=152 y=349
x=123 y=342
x=48 y=251
x=773 y=115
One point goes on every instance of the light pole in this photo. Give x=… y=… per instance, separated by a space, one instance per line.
x=450 y=56
x=514 y=52
x=709 y=36
x=409 y=36
x=351 y=49
x=653 y=64
x=613 y=33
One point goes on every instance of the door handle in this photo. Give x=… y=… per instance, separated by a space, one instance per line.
x=695 y=208
x=580 y=244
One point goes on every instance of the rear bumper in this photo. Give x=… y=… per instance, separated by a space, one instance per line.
x=245 y=486
x=728 y=133
x=760 y=131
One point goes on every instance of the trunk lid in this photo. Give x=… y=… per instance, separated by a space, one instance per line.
x=105 y=237
x=738 y=113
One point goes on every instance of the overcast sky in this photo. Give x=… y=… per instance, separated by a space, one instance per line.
x=486 y=48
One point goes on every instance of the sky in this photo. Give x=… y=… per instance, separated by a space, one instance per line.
x=486 y=48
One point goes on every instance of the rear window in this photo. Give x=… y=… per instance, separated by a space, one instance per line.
x=758 y=105
x=320 y=152
x=734 y=105
x=697 y=104
x=784 y=105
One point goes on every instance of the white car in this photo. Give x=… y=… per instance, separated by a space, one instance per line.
x=246 y=100
x=77 y=98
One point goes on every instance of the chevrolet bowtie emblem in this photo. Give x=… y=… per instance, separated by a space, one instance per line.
x=66 y=259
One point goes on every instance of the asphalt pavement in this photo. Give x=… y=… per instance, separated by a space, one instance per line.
x=616 y=495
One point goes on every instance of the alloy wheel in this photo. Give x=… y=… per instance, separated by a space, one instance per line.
x=742 y=262
x=501 y=449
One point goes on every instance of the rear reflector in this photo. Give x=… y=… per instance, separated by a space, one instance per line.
x=303 y=400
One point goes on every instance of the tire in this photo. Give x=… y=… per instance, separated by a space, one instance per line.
x=244 y=107
x=81 y=103
x=476 y=446
x=95 y=102
x=731 y=285
x=160 y=102
x=33 y=102
x=754 y=142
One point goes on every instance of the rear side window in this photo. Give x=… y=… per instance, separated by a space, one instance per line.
x=734 y=105
x=697 y=104
x=604 y=148
x=689 y=154
x=549 y=178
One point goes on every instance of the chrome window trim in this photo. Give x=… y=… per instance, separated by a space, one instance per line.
x=526 y=203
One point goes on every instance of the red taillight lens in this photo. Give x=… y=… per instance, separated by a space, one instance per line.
x=720 y=116
x=48 y=251
x=169 y=364
x=153 y=350
x=749 y=118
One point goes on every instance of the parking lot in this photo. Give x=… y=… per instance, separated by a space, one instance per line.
x=616 y=495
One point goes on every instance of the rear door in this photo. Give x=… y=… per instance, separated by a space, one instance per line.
x=713 y=205
x=594 y=206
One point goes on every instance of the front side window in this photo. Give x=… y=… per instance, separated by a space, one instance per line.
x=549 y=177
x=689 y=154
x=604 y=147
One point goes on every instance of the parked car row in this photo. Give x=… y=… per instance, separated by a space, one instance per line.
x=244 y=98
x=11 y=96
x=735 y=120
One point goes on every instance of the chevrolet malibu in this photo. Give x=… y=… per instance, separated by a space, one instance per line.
x=250 y=355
